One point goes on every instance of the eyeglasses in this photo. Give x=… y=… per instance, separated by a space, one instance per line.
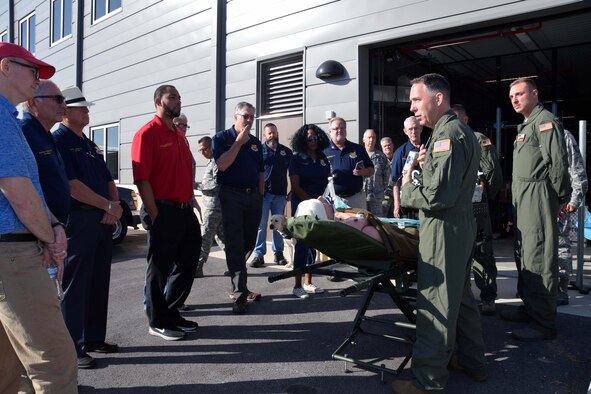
x=35 y=69
x=204 y=149
x=57 y=97
x=338 y=128
x=247 y=116
x=312 y=138
x=183 y=126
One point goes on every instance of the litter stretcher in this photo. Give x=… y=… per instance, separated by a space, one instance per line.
x=375 y=265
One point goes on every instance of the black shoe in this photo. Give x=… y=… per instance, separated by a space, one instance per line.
x=488 y=308
x=529 y=334
x=199 y=272
x=333 y=278
x=86 y=362
x=240 y=306
x=185 y=308
x=167 y=333
x=257 y=262
x=226 y=273
x=279 y=259
x=101 y=347
x=186 y=325
x=515 y=315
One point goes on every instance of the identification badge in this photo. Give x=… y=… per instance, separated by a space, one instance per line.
x=442 y=146
x=545 y=127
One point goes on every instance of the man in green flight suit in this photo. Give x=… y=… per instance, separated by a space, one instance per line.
x=447 y=315
x=540 y=188
x=485 y=265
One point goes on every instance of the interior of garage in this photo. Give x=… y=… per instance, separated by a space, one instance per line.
x=480 y=63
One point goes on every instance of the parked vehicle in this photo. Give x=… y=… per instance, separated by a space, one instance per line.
x=130 y=203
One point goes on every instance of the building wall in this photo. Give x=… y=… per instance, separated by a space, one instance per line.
x=154 y=42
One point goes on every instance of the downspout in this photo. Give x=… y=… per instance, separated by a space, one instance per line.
x=11 y=21
x=220 y=69
x=79 y=43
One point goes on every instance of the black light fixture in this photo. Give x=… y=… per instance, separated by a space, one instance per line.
x=329 y=69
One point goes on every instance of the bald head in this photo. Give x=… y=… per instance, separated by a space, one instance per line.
x=48 y=104
x=369 y=140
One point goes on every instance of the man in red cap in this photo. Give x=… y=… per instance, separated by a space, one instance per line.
x=34 y=340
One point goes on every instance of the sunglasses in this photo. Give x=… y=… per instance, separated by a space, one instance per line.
x=247 y=116
x=312 y=138
x=58 y=98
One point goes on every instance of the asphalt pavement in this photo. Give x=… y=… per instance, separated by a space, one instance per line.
x=284 y=344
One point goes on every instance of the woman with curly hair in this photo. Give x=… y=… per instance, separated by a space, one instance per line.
x=309 y=170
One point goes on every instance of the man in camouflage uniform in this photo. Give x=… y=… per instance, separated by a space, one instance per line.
x=447 y=315
x=568 y=218
x=541 y=188
x=485 y=266
x=212 y=210
x=375 y=185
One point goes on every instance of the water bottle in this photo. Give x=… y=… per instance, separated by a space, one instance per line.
x=52 y=271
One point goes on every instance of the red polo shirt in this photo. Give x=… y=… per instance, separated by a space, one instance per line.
x=162 y=157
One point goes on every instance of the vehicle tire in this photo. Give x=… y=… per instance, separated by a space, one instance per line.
x=119 y=230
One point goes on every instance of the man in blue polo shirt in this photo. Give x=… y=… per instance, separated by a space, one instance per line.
x=239 y=157
x=276 y=158
x=39 y=115
x=94 y=209
x=413 y=130
x=349 y=163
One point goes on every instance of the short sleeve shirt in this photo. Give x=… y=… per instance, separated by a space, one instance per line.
x=399 y=159
x=313 y=174
x=276 y=163
x=343 y=163
x=244 y=171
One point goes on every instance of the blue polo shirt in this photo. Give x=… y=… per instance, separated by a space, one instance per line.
x=276 y=163
x=52 y=173
x=343 y=163
x=313 y=174
x=244 y=171
x=399 y=159
x=83 y=161
x=16 y=160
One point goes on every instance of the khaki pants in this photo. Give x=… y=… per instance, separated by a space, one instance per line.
x=33 y=337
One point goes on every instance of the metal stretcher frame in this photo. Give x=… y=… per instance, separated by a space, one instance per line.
x=376 y=273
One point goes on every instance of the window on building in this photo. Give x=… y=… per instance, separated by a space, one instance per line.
x=281 y=94
x=27 y=32
x=61 y=19
x=4 y=36
x=102 y=8
x=107 y=139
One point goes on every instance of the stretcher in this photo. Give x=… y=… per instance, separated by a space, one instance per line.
x=375 y=264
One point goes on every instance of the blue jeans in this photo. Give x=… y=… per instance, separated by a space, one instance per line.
x=276 y=204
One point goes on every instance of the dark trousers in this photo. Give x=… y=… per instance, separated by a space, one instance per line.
x=173 y=253
x=303 y=254
x=86 y=277
x=241 y=214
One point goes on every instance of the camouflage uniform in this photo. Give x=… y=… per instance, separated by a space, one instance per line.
x=388 y=201
x=484 y=268
x=375 y=185
x=212 y=213
x=567 y=221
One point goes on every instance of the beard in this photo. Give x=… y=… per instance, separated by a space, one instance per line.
x=273 y=144
x=170 y=112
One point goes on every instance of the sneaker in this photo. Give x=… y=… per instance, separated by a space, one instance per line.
x=300 y=293
x=252 y=296
x=101 y=347
x=86 y=362
x=166 y=333
x=186 y=325
x=257 y=262
x=312 y=289
x=279 y=259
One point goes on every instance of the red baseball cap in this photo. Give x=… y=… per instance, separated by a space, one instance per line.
x=7 y=49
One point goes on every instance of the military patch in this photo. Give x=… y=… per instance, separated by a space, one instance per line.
x=353 y=155
x=520 y=138
x=322 y=163
x=254 y=148
x=545 y=127
x=486 y=142
x=282 y=153
x=442 y=145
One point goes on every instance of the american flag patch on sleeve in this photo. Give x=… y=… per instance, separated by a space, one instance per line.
x=442 y=145
x=545 y=126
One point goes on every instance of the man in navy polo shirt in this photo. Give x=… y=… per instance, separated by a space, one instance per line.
x=239 y=157
x=413 y=129
x=276 y=158
x=349 y=163
x=40 y=114
x=94 y=209
x=163 y=172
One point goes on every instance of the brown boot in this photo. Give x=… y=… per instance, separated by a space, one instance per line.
x=405 y=387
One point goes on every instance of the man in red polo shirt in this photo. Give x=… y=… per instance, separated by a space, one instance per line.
x=162 y=171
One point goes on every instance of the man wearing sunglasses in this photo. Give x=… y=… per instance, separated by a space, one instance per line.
x=40 y=114
x=34 y=340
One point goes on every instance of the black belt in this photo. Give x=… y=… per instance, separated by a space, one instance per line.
x=18 y=237
x=176 y=204
x=240 y=189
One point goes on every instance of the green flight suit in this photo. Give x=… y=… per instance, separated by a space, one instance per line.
x=540 y=184
x=447 y=314
x=485 y=267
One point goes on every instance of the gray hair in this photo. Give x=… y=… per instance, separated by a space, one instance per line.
x=411 y=119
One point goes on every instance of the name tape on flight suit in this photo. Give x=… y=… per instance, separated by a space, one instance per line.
x=545 y=127
x=441 y=146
